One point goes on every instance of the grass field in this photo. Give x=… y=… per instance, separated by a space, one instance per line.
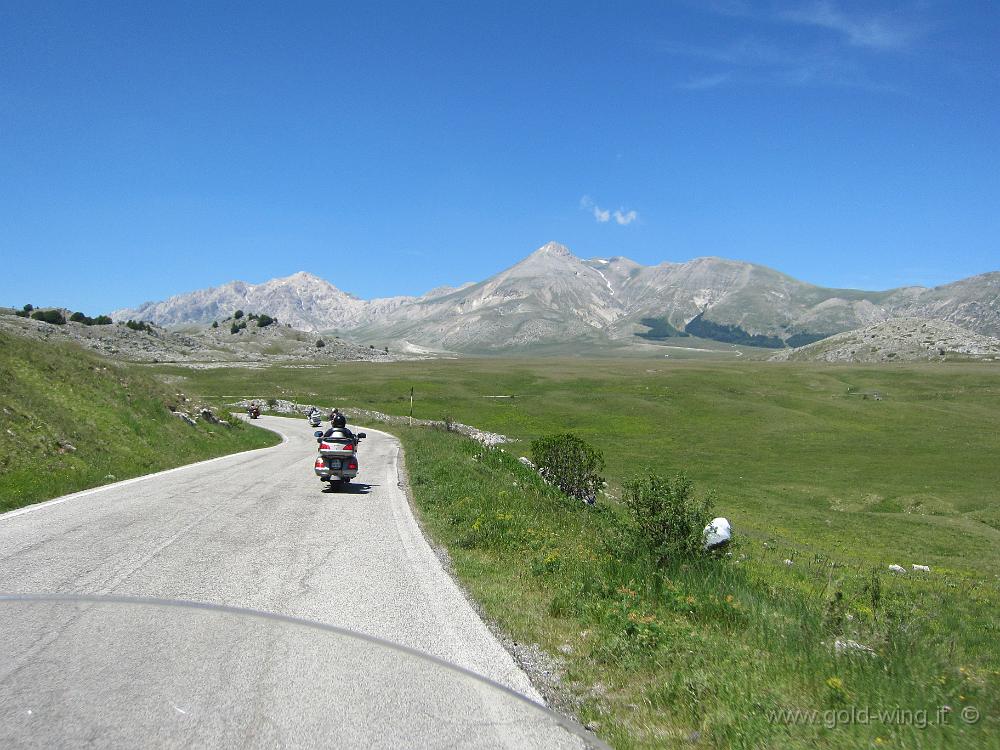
x=808 y=464
x=70 y=420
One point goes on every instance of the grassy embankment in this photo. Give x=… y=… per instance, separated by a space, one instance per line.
x=115 y=418
x=807 y=467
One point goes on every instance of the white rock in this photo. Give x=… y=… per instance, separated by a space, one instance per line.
x=897 y=568
x=717 y=533
x=925 y=568
x=844 y=645
x=788 y=562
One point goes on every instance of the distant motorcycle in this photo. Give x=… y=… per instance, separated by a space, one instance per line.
x=315 y=419
x=338 y=456
x=254 y=411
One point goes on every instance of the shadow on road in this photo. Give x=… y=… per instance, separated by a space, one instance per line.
x=354 y=488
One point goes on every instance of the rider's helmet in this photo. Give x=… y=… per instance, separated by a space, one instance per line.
x=339 y=420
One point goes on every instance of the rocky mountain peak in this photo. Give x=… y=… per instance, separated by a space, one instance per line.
x=304 y=276
x=554 y=249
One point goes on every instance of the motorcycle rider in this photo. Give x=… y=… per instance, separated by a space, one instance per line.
x=338 y=423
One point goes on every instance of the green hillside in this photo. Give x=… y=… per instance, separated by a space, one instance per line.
x=70 y=420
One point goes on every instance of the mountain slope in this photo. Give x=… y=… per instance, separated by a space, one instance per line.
x=553 y=298
x=302 y=299
x=549 y=296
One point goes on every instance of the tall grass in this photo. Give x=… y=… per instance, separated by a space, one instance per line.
x=70 y=420
x=710 y=652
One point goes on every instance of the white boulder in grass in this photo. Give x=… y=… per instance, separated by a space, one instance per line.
x=897 y=568
x=924 y=568
x=717 y=533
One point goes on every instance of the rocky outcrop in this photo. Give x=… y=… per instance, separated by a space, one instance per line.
x=902 y=340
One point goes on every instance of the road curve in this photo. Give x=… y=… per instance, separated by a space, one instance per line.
x=257 y=530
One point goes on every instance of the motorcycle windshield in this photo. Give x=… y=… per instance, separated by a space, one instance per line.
x=119 y=672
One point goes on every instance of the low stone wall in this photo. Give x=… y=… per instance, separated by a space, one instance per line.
x=282 y=406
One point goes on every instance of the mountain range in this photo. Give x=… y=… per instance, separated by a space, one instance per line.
x=553 y=297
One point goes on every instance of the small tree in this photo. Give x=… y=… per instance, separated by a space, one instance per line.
x=264 y=320
x=667 y=520
x=238 y=314
x=320 y=344
x=78 y=317
x=215 y=324
x=234 y=328
x=55 y=317
x=103 y=320
x=570 y=464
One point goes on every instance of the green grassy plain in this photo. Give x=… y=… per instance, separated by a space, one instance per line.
x=810 y=467
x=115 y=417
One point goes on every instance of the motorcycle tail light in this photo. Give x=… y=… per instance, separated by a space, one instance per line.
x=352 y=465
x=325 y=447
x=319 y=463
x=348 y=447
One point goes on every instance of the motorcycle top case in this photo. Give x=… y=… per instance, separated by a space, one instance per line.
x=336 y=448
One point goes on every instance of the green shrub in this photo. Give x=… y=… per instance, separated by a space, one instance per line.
x=215 y=324
x=234 y=328
x=666 y=519
x=139 y=325
x=55 y=317
x=238 y=314
x=264 y=320
x=320 y=344
x=100 y=320
x=569 y=463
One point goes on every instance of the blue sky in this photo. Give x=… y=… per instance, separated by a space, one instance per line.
x=151 y=149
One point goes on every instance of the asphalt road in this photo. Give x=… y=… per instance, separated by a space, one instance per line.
x=258 y=531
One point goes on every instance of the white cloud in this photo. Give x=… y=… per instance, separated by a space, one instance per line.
x=705 y=82
x=604 y=215
x=861 y=31
x=625 y=218
x=771 y=57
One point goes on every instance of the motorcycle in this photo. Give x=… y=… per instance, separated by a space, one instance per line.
x=253 y=411
x=338 y=456
x=315 y=419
